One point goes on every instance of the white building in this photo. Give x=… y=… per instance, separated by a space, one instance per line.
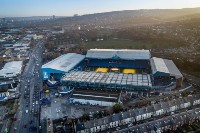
x=11 y=69
x=95 y=97
x=4 y=95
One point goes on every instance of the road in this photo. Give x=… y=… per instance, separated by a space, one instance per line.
x=29 y=110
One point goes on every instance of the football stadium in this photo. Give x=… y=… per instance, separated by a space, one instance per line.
x=112 y=70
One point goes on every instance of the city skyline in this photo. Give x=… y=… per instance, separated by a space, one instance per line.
x=24 y=8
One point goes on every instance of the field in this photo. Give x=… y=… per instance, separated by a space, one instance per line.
x=129 y=44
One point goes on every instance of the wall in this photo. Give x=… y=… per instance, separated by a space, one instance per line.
x=92 y=102
x=47 y=71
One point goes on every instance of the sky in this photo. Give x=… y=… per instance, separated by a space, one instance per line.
x=23 y=8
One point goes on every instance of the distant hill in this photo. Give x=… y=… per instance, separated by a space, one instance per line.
x=133 y=17
x=30 y=18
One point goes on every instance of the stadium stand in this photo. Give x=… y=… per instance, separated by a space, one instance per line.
x=103 y=70
x=135 y=70
x=125 y=54
x=163 y=68
x=106 y=80
x=129 y=71
x=61 y=65
x=118 y=63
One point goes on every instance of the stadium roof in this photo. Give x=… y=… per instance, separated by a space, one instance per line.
x=126 y=54
x=11 y=69
x=158 y=65
x=165 y=66
x=65 y=62
x=173 y=70
x=138 y=80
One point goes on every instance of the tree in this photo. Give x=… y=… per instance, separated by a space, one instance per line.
x=184 y=94
x=85 y=117
x=117 y=108
x=1 y=59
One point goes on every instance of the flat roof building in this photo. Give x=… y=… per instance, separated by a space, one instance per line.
x=11 y=69
x=61 y=65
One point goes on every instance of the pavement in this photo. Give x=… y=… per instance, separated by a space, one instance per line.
x=3 y=111
x=60 y=108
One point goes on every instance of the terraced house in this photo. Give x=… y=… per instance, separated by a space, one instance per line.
x=137 y=115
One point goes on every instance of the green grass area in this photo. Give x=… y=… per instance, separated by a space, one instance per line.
x=194 y=73
x=10 y=105
x=128 y=44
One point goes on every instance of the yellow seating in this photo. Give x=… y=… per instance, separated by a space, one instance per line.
x=103 y=70
x=129 y=71
x=115 y=70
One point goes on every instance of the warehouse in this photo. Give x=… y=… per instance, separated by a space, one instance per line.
x=95 y=97
x=11 y=70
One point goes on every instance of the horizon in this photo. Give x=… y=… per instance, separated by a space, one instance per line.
x=102 y=12
x=23 y=8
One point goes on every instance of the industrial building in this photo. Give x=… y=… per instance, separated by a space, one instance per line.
x=11 y=70
x=95 y=97
x=9 y=78
x=113 y=70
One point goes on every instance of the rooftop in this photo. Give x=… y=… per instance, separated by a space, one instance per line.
x=97 y=95
x=165 y=66
x=125 y=54
x=108 y=78
x=11 y=69
x=65 y=62
x=136 y=112
x=173 y=70
x=158 y=65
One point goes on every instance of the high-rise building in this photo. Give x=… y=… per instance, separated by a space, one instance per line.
x=54 y=16
x=4 y=19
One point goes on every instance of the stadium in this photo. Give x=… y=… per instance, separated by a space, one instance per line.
x=112 y=70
